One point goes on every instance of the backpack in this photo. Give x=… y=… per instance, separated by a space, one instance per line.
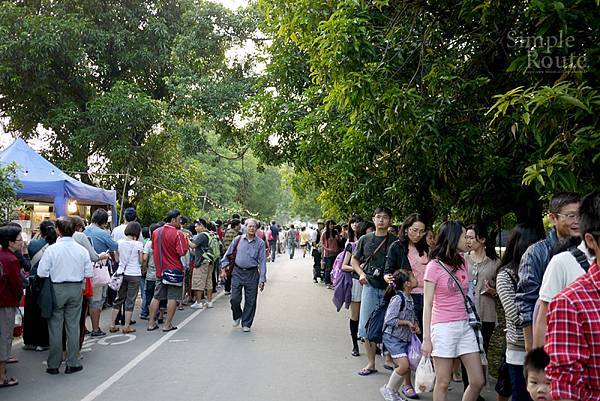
x=336 y=271
x=214 y=251
x=374 y=326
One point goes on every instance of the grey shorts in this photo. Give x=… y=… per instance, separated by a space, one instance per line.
x=164 y=292
x=97 y=300
x=7 y=325
x=127 y=293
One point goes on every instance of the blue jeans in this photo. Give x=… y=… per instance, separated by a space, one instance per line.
x=370 y=299
x=144 y=311
x=517 y=379
x=328 y=267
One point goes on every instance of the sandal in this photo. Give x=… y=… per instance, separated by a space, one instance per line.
x=9 y=382
x=113 y=329
x=409 y=392
x=12 y=359
x=152 y=328
x=170 y=328
x=366 y=371
x=127 y=330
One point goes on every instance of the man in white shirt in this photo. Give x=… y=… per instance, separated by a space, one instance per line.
x=564 y=268
x=118 y=232
x=67 y=264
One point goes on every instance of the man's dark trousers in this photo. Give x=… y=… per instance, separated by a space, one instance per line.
x=273 y=247
x=317 y=274
x=247 y=280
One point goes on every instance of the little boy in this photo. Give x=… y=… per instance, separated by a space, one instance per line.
x=538 y=384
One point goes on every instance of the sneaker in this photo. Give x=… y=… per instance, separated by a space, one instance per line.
x=98 y=333
x=236 y=322
x=227 y=292
x=246 y=329
x=209 y=304
x=196 y=305
x=389 y=394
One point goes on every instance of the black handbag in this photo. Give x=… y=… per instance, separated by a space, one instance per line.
x=47 y=298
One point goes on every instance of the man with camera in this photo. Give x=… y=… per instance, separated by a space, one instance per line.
x=368 y=262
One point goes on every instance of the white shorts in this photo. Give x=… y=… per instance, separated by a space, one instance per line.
x=453 y=339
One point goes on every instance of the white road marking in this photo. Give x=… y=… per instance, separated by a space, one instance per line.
x=179 y=341
x=134 y=362
x=128 y=338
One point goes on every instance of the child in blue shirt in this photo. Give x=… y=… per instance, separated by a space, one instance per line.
x=399 y=324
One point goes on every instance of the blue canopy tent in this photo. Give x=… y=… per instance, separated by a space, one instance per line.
x=44 y=182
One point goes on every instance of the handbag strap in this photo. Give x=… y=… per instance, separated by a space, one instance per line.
x=38 y=255
x=234 y=253
x=465 y=299
x=160 y=260
x=381 y=244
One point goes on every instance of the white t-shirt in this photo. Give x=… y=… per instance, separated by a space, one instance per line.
x=562 y=270
x=129 y=257
x=118 y=233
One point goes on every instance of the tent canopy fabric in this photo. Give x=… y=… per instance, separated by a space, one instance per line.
x=43 y=181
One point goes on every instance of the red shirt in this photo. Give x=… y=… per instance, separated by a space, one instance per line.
x=10 y=280
x=173 y=245
x=573 y=339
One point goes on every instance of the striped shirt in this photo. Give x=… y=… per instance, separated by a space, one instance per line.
x=573 y=339
x=506 y=283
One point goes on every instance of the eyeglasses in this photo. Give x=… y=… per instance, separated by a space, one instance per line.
x=569 y=217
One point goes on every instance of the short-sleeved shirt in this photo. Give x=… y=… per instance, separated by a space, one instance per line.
x=129 y=257
x=366 y=245
x=151 y=273
x=418 y=264
x=201 y=242
x=562 y=270
x=101 y=239
x=448 y=301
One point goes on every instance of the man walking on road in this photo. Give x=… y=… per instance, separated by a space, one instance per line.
x=273 y=237
x=169 y=244
x=246 y=260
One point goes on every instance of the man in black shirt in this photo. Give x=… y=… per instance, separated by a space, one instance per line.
x=368 y=262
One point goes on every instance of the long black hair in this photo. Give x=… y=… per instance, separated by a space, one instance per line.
x=446 y=244
x=481 y=232
x=519 y=240
x=421 y=246
x=401 y=276
x=351 y=234
x=47 y=231
x=363 y=226
x=330 y=230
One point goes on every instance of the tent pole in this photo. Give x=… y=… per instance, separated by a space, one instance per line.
x=123 y=196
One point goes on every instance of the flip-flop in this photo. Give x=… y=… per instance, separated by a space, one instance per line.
x=12 y=359
x=366 y=372
x=152 y=328
x=409 y=392
x=389 y=367
x=9 y=382
x=171 y=329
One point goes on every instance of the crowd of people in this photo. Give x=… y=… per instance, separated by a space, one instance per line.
x=444 y=288
x=437 y=290
x=71 y=271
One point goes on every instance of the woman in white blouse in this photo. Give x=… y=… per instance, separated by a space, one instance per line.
x=130 y=262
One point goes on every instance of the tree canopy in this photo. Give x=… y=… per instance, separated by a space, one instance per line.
x=438 y=107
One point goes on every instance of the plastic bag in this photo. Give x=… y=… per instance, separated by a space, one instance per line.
x=425 y=376
x=414 y=352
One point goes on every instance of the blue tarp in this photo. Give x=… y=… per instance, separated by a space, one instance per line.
x=43 y=181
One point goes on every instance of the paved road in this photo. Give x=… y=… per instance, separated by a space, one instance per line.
x=299 y=349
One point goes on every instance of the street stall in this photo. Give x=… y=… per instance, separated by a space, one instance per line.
x=48 y=192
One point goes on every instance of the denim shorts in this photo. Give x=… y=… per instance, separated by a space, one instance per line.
x=371 y=298
x=396 y=347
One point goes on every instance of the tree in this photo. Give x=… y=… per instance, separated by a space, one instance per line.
x=385 y=102
x=9 y=184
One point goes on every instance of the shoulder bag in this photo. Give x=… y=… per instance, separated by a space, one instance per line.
x=231 y=258
x=117 y=278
